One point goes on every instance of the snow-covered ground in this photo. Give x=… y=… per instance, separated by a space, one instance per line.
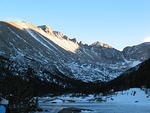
x=132 y=96
x=134 y=100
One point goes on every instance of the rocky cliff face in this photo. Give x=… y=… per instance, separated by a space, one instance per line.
x=138 y=52
x=42 y=47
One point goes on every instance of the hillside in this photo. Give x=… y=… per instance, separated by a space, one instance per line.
x=138 y=76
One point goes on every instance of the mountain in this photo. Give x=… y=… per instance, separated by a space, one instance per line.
x=41 y=48
x=138 y=76
x=139 y=52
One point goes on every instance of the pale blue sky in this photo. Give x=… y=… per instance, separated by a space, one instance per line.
x=116 y=22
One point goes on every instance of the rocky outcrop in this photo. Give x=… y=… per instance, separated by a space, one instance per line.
x=139 y=52
x=58 y=34
x=101 y=44
x=47 y=29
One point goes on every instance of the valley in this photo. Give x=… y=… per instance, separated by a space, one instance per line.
x=36 y=62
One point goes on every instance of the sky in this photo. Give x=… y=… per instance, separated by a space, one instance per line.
x=119 y=23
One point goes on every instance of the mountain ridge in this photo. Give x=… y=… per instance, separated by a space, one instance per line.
x=32 y=45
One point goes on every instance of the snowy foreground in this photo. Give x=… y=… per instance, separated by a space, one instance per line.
x=133 y=100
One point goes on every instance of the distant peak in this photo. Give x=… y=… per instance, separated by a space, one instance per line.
x=46 y=28
x=97 y=43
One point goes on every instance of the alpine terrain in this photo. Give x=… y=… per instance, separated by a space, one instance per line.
x=36 y=60
x=41 y=48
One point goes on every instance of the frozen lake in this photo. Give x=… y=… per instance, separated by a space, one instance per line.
x=134 y=100
x=99 y=107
